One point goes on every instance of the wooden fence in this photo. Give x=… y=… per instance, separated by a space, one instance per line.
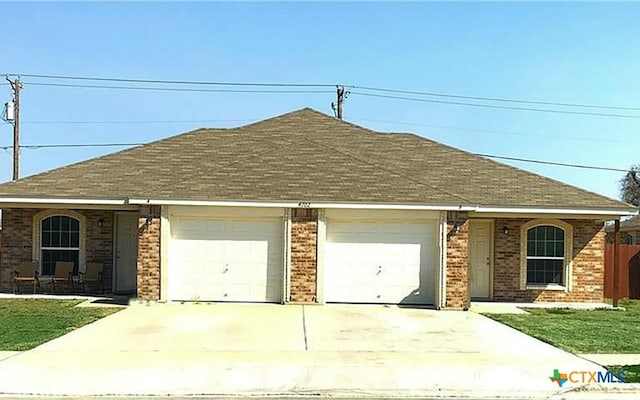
x=628 y=273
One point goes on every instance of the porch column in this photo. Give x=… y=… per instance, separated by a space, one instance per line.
x=149 y=254
x=457 y=273
x=304 y=255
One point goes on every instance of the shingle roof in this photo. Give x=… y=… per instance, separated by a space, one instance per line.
x=304 y=156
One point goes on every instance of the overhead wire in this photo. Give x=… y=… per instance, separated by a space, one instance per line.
x=496 y=99
x=126 y=122
x=527 y=160
x=168 y=89
x=176 y=82
x=459 y=103
x=494 y=131
x=326 y=84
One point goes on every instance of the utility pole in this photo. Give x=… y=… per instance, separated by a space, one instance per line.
x=340 y=92
x=15 y=87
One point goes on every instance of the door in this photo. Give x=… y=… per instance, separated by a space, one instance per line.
x=480 y=258
x=226 y=260
x=126 y=252
x=380 y=262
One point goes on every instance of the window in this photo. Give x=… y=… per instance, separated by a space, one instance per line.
x=545 y=255
x=60 y=241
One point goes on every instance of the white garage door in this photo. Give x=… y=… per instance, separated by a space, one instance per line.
x=378 y=262
x=225 y=260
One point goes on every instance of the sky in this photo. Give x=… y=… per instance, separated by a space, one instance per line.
x=582 y=53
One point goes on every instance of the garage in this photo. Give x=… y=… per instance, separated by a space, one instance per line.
x=389 y=261
x=216 y=257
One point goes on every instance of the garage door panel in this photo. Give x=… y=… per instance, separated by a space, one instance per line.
x=225 y=260
x=380 y=262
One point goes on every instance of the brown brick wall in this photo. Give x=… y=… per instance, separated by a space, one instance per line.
x=99 y=242
x=588 y=264
x=457 y=279
x=17 y=227
x=148 y=258
x=17 y=237
x=304 y=239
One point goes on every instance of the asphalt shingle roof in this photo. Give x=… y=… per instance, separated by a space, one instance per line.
x=304 y=156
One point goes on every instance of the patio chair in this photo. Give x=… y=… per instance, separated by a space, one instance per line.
x=27 y=271
x=63 y=273
x=92 y=272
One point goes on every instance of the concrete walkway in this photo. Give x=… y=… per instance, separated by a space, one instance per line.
x=8 y=354
x=613 y=359
x=244 y=349
x=496 y=307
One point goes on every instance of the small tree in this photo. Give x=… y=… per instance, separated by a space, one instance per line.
x=630 y=186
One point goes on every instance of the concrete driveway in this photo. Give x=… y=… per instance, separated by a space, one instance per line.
x=272 y=349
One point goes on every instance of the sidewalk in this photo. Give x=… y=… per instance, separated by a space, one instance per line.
x=612 y=359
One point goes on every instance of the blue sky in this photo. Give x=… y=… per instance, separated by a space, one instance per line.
x=577 y=53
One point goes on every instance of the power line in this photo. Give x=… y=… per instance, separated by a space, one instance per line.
x=125 y=122
x=495 y=131
x=326 y=85
x=176 y=82
x=552 y=163
x=69 y=145
x=204 y=121
x=165 y=89
x=497 y=99
x=50 y=146
x=496 y=106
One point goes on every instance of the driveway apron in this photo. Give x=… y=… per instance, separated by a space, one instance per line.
x=190 y=349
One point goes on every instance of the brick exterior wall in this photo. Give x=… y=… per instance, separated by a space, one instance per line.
x=99 y=244
x=149 y=259
x=457 y=279
x=304 y=239
x=587 y=270
x=17 y=236
x=17 y=242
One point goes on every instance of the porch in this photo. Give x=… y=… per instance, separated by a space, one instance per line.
x=47 y=237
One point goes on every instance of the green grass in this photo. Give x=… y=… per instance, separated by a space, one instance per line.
x=631 y=372
x=27 y=323
x=582 y=331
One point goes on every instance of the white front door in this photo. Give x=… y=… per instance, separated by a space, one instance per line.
x=126 y=252
x=380 y=262
x=226 y=260
x=480 y=240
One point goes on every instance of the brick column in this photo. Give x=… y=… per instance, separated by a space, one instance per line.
x=304 y=240
x=148 y=258
x=457 y=277
x=17 y=246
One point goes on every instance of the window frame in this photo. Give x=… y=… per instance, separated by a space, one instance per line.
x=568 y=255
x=37 y=234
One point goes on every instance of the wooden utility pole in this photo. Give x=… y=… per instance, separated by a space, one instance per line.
x=616 y=261
x=15 y=87
x=340 y=92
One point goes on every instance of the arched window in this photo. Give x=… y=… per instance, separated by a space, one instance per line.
x=546 y=253
x=59 y=241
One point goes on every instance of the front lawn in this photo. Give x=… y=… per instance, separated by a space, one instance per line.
x=581 y=331
x=631 y=372
x=27 y=323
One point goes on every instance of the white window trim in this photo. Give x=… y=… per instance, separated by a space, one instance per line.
x=37 y=229
x=568 y=254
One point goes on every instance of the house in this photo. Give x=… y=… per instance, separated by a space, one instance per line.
x=629 y=231
x=307 y=208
